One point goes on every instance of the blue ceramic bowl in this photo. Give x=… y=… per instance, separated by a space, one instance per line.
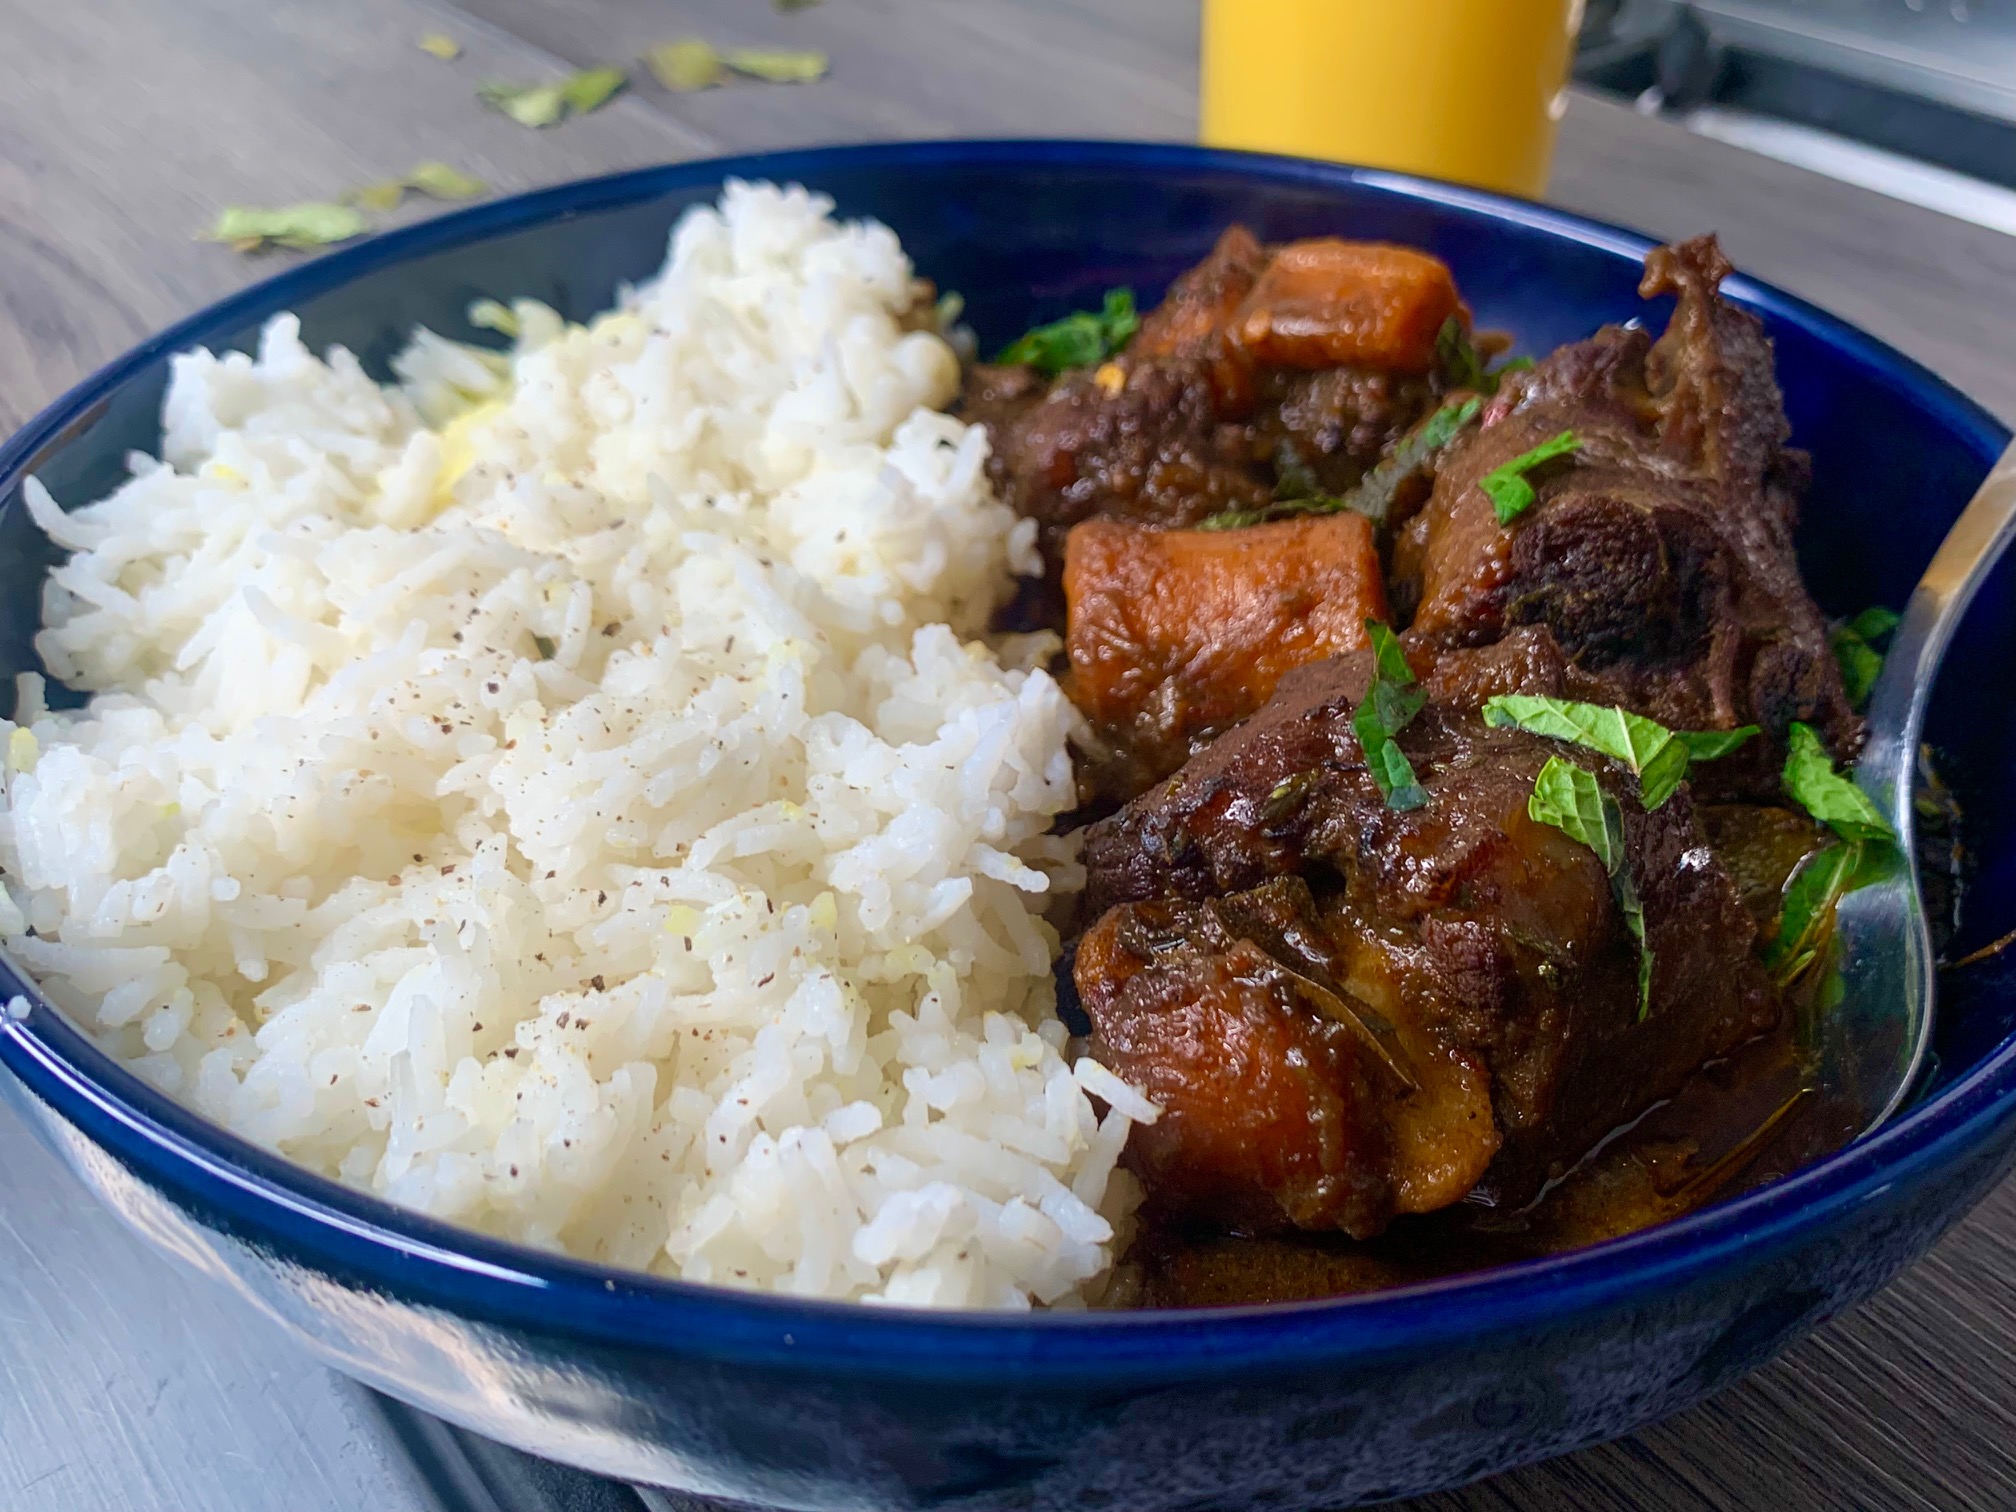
x=811 y=1405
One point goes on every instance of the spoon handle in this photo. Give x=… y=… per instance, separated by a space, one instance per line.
x=1903 y=690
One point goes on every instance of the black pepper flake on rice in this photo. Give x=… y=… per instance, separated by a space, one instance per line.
x=596 y=983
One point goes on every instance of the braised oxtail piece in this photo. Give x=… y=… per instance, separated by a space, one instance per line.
x=1657 y=551
x=1478 y=935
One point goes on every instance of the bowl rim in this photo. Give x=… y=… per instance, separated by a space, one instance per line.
x=265 y=1199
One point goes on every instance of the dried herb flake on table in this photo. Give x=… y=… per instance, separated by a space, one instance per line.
x=296 y=227
x=776 y=66
x=440 y=181
x=538 y=105
x=685 y=65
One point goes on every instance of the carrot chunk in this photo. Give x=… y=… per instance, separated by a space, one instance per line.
x=1328 y=302
x=1174 y=635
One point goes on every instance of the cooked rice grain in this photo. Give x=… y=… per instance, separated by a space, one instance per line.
x=566 y=796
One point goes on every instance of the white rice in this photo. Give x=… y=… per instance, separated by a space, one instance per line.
x=589 y=816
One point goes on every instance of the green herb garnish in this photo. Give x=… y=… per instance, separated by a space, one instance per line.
x=1713 y=745
x=1806 y=915
x=1374 y=495
x=1463 y=366
x=544 y=645
x=1376 y=491
x=776 y=67
x=1569 y=798
x=1294 y=479
x=1858 y=650
x=1510 y=493
x=440 y=45
x=1865 y=852
x=1389 y=706
x=1657 y=755
x=1461 y=363
x=295 y=226
x=1824 y=793
x=539 y=105
x=1080 y=339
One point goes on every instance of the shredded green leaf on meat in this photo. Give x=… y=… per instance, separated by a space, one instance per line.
x=1835 y=800
x=1569 y=798
x=1660 y=757
x=1389 y=706
x=1464 y=367
x=1375 y=493
x=1506 y=485
x=1081 y=339
x=1858 y=650
x=1806 y=914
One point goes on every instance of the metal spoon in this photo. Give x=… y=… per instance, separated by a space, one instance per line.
x=1871 y=1046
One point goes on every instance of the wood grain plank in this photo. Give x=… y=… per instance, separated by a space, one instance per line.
x=126 y=124
x=901 y=68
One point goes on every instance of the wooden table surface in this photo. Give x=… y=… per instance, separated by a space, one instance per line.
x=125 y=124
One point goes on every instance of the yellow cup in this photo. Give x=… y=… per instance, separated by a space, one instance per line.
x=1469 y=90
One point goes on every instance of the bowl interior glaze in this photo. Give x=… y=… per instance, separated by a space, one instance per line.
x=1026 y=231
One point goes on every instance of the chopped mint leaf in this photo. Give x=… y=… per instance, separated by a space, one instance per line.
x=1080 y=339
x=1824 y=793
x=1463 y=366
x=1390 y=704
x=1858 y=650
x=1507 y=487
x=1659 y=756
x=1712 y=745
x=1569 y=798
x=1806 y=914
x=1374 y=495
